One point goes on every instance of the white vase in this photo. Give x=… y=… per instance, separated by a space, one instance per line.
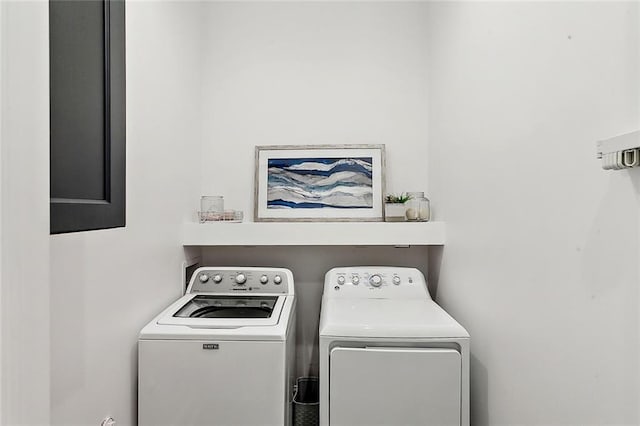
x=394 y=212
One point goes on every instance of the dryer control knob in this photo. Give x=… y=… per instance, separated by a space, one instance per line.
x=217 y=278
x=341 y=280
x=355 y=279
x=264 y=279
x=375 y=280
x=396 y=280
x=204 y=278
x=241 y=278
x=277 y=279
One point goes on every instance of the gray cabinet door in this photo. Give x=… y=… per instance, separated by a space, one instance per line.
x=394 y=386
x=87 y=101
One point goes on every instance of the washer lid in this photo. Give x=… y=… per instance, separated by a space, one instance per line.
x=219 y=306
x=208 y=310
x=168 y=326
x=387 y=318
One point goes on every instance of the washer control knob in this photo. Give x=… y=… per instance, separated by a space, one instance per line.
x=277 y=280
x=341 y=279
x=241 y=278
x=217 y=278
x=375 y=280
x=264 y=279
x=355 y=280
x=396 y=280
x=204 y=278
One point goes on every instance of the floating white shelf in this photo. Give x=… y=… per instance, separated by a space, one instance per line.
x=619 y=143
x=314 y=234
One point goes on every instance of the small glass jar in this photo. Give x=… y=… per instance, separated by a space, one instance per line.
x=212 y=204
x=418 y=208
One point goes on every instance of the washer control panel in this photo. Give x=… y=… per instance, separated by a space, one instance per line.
x=375 y=282
x=238 y=279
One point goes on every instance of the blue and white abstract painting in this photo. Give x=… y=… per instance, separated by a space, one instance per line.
x=316 y=183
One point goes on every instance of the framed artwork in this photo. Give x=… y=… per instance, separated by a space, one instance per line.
x=319 y=183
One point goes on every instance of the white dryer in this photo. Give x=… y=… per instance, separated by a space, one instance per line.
x=223 y=354
x=389 y=355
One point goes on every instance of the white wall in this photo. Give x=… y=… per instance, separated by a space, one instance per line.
x=106 y=285
x=24 y=212
x=310 y=73
x=541 y=260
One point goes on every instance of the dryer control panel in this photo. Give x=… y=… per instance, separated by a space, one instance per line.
x=241 y=280
x=376 y=282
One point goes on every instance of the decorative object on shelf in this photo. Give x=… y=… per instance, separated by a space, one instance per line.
x=233 y=216
x=418 y=208
x=394 y=207
x=212 y=210
x=212 y=203
x=319 y=183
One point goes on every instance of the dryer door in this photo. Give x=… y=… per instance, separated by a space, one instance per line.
x=394 y=386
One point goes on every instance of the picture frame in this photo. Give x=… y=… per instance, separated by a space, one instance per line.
x=319 y=183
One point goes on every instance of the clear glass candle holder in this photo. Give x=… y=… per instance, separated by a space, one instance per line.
x=418 y=208
x=212 y=204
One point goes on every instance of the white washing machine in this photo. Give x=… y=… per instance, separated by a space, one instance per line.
x=389 y=355
x=223 y=354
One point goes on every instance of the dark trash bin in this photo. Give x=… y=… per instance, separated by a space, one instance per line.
x=306 y=402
